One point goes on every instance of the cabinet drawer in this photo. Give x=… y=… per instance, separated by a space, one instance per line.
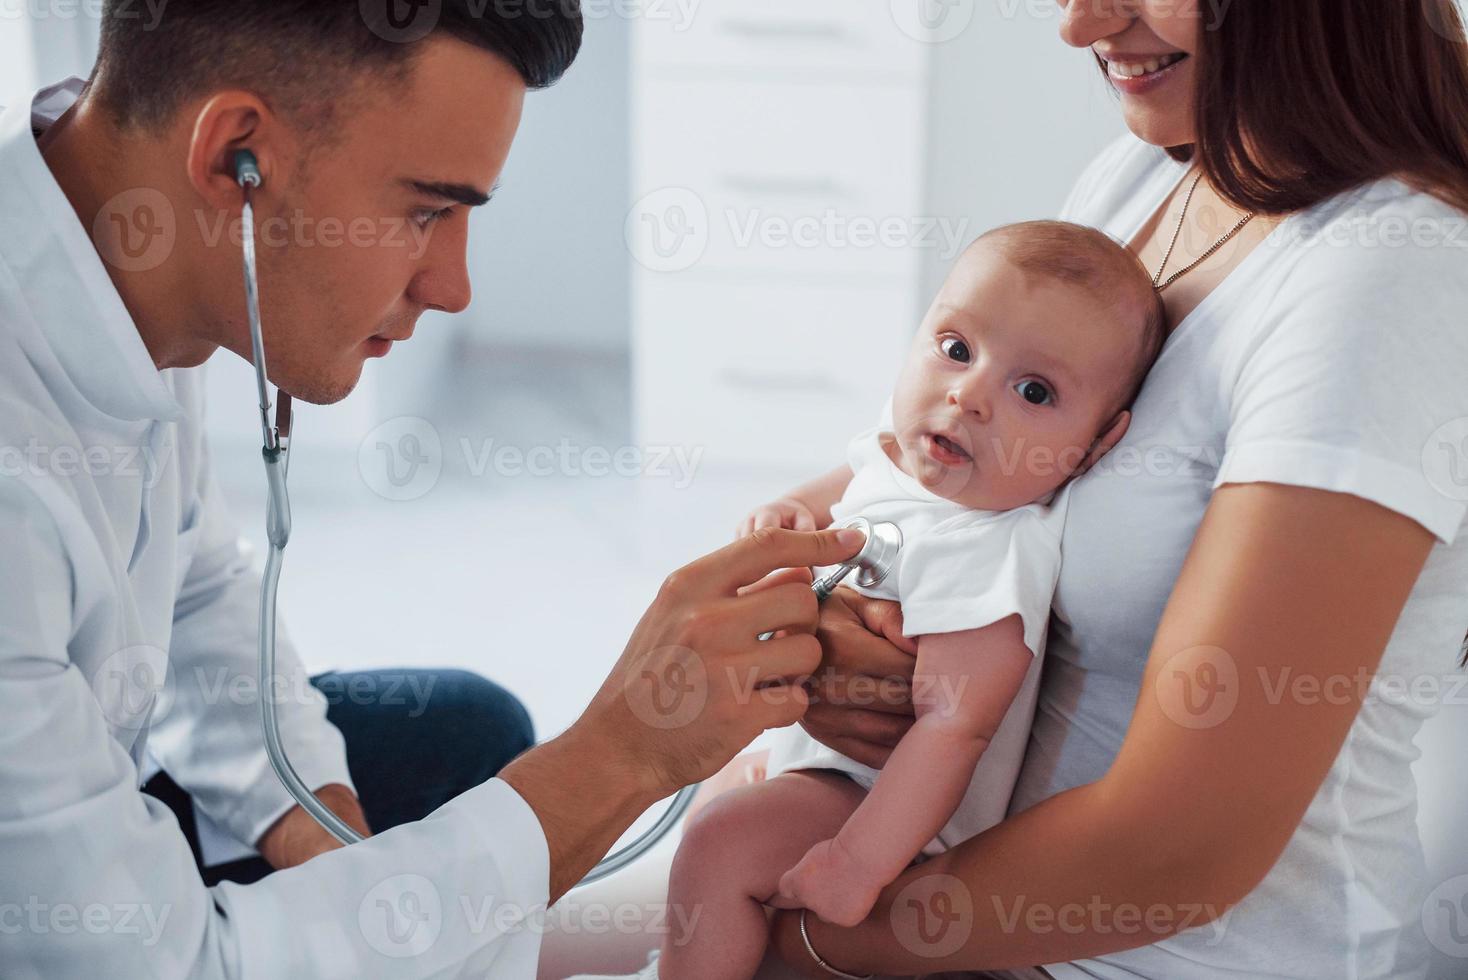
x=800 y=35
x=768 y=374
x=767 y=176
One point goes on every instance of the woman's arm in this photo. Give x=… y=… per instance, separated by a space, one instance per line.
x=1217 y=768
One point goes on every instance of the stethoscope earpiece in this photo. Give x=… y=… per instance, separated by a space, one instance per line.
x=246 y=169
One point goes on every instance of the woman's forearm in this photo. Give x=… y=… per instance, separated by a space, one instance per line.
x=1073 y=876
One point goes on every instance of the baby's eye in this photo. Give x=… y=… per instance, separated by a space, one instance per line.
x=955 y=349
x=1034 y=392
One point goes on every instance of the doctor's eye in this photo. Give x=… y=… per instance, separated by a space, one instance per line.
x=427 y=216
x=1035 y=392
x=955 y=349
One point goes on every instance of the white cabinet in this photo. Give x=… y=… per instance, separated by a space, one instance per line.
x=778 y=151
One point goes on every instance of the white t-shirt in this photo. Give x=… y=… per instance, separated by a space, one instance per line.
x=1329 y=358
x=958 y=569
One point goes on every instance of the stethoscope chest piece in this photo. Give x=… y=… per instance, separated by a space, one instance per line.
x=878 y=556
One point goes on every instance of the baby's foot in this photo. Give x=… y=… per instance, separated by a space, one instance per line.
x=830 y=883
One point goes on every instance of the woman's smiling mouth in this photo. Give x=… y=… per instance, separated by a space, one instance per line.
x=1139 y=74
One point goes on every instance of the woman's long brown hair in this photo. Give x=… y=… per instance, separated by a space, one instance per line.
x=1332 y=94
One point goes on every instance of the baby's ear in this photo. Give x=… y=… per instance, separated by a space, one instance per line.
x=1106 y=442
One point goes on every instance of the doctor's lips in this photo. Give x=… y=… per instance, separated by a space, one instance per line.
x=380 y=344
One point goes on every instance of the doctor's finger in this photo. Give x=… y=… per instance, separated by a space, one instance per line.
x=768 y=548
x=778 y=705
x=784 y=576
x=784 y=660
x=790 y=606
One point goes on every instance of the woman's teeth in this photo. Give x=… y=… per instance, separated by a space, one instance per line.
x=1136 y=69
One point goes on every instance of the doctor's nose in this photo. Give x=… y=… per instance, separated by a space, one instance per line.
x=1084 y=22
x=442 y=280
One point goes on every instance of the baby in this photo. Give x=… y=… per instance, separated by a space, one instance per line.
x=1018 y=380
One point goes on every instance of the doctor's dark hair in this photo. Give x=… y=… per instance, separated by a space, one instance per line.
x=305 y=55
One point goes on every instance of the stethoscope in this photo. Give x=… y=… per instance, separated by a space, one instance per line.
x=874 y=563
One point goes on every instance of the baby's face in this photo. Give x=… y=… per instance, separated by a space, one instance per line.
x=1006 y=384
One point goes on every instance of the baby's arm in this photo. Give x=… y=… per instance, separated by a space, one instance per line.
x=806 y=508
x=963 y=685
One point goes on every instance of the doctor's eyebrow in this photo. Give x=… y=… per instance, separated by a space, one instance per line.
x=458 y=193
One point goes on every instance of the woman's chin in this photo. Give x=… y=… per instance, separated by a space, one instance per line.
x=1156 y=128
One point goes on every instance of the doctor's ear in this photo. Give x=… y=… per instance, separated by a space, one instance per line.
x=227 y=123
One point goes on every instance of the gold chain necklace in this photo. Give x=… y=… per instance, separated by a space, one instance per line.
x=1176 y=234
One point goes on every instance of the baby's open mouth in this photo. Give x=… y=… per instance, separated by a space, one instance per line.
x=945 y=450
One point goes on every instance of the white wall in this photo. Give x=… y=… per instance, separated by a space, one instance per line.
x=547 y=257
x=40 y=45
x=1008 y=148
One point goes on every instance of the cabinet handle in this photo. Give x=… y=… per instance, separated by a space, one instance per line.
x=786 y=30
x=805 y=382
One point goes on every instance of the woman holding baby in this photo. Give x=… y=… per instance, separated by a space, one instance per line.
x=1212 y=784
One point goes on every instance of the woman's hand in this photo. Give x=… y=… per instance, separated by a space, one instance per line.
x=787 y=512
x=296 y=837
x=861 y=697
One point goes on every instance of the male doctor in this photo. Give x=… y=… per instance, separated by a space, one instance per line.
x=125 y=605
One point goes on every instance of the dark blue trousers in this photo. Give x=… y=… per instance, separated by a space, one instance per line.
x=415 y=740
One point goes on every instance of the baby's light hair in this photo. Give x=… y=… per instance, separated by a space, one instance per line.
x=1093 y=260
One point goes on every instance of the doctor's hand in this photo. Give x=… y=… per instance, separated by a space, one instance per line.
x=692 y=688
x=695 y=684
x=861 y=701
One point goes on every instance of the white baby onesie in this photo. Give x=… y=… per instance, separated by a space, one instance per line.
x=958 y=569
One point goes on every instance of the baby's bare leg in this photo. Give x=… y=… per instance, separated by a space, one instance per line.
x=730 y=861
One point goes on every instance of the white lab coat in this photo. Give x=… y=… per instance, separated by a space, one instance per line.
x=128 y=624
